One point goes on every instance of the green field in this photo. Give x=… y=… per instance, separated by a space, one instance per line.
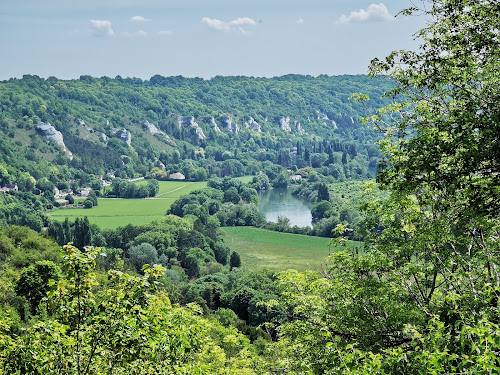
x=260 y=248
x=113 y=213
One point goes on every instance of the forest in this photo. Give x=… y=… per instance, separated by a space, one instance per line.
x=401 y=169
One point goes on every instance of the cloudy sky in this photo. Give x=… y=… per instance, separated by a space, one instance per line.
x=199 y=38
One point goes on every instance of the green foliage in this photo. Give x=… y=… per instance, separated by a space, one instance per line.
x=321 y=209
x=422 y=297
x=234 y=260
x=221 y=252
x=33 y=283
x=123 y=328
x=142 y=254
x=323 y=194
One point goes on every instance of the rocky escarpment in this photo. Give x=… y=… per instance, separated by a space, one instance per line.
x=189 y=120
x=298 y=127
x=252 y=125
x=284 y=123
x=48 y=131
x=327 y=121
x=125 y=136
x=228 y=124
x=213 y=124
x=146 y=125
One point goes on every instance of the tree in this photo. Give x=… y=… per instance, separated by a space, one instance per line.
x=221 y=252
x=234 y=260
x=33 y=283
x=70 y=198
x=142 y=254
x=93 y=198
x=442 y=157
x=193 y=261
x=153 y=187
x=200 y=174
x=446 y=136
x=323 y=194
x=231 y=195
x=321 y=210
x=125 y=326
x=82 y=235
x=433 y=245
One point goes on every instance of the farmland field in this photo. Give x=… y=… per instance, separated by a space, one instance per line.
x=260 y=248
x=113 y=213
x=176 y=189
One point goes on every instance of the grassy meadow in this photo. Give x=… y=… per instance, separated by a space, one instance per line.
x=260 y=248
x=113 y=213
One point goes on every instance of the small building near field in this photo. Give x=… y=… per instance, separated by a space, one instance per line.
x=9 y=187
x=177 y=176
x=62 y=202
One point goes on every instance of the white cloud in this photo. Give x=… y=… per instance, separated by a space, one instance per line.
x=139 y=33
x=101 y=28
x=374 y=12
x=238 y=25
x=299 y=21
x=165 y=32
x=139 y=19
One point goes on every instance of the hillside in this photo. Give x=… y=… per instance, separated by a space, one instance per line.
x=102 y=119
x=68 y=134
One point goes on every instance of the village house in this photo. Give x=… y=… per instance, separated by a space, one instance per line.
x=177 y=176
x=9 y=187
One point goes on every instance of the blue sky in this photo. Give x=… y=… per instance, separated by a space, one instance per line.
x=199 y=38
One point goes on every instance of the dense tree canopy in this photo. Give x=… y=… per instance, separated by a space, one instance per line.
x=422 y=297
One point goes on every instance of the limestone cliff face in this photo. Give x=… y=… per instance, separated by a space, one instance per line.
x=298 y=127
x=125 y=136
x=285 y=124
x=252 y=125
x=189 y=120
x=327 y=121
x=48 y=131
x=214 y=125
x=151 y=128
x=228 y=124
x=154 y=130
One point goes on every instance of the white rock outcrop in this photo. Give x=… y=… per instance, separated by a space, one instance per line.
x=213 y=124
x=285 y=123
x=228 y=124
x=189 y=120
x=146 y=125
x=252 y=125
x=48 y=131
x=151 y=128
x=298 y=127
x=125 y=136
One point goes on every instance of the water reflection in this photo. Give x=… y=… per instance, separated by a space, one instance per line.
x=281 y=202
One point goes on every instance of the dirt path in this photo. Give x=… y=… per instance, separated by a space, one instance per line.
x=179 y=188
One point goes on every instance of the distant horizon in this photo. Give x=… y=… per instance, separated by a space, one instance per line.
x=200 y=38
x=182 y=76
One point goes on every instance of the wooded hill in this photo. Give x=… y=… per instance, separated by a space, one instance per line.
x=65 y=133
x=130 y=125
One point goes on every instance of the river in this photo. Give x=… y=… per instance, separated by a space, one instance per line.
x=281 y=202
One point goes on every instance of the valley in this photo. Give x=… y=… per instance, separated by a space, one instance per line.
x=291 y=224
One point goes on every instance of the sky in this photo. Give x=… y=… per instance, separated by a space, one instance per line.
x=199 y=38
